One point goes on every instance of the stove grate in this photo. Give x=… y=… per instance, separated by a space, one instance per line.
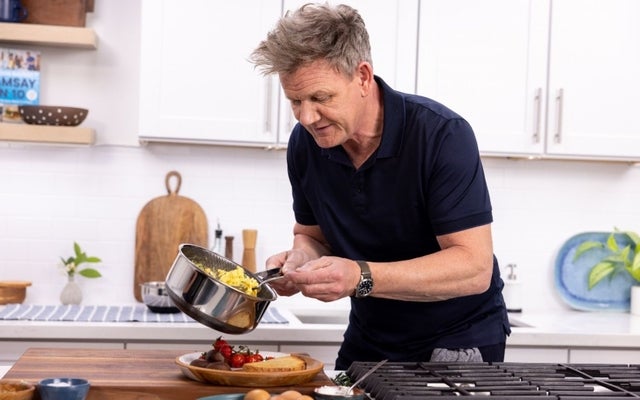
x=426 y=380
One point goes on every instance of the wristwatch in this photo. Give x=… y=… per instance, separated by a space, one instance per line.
x=365 y=286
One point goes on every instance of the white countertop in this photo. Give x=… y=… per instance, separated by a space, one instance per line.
x=294 y=331
x=566 y=328
x=576 y=329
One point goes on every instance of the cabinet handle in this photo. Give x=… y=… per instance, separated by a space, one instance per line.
x=268 y=95
x=537 y=100
x=559 y=98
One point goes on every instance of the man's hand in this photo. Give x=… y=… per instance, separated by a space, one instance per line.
x=287 y=261
x=326 y=278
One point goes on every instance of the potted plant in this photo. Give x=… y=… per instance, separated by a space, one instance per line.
x=71 y=294
x=621 y=255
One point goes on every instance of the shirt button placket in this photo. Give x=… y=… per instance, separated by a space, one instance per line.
x=359 y=200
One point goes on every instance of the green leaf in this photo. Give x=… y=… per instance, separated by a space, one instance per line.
x=635 y=274
x=76 y=249
x=81 y=256
x=611 y=242
x=624 y=254
x=90 y=273
x=635 y=264
x=621 y=257
x=635 y=238
x=599 y=272
x=634 y=268
x=586 y=246
x=619 y=260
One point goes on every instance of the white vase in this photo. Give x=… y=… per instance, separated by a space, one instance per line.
x=635 y=299
x=71 y=294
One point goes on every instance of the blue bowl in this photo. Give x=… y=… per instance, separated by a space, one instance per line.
x=63 y=388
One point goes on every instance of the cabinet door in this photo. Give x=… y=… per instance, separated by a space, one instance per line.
x=486 y=60
x=594 y=78
x=196 y=81
x=392 y=26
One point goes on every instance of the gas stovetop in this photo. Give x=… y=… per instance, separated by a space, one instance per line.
x=499 y=381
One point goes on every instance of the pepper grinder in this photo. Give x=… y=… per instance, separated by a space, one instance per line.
x=249 y=237
x=228 y=247
x=512 y=291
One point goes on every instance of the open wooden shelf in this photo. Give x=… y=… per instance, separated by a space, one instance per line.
x=48 y=35
x=17 y=132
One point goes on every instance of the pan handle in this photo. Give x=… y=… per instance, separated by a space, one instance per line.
x=269 y=275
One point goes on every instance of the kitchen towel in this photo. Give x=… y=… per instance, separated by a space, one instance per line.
x=80 y=313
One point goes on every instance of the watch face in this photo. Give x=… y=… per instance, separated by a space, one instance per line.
x=365 y=286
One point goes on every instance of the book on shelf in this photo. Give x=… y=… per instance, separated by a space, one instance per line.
x=19 y=81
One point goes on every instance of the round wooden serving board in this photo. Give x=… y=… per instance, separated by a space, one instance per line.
x=246 y=378
x=163 y=224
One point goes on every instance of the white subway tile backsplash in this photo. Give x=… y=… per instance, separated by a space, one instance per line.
x=52 y=196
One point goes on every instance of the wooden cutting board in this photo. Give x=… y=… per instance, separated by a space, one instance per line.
x=129 y=374
x=163 y=224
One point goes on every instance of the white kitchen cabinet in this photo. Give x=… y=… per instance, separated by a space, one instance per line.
x=594 y=84
x=197 y=84
x=541 y=78
x=486 y=60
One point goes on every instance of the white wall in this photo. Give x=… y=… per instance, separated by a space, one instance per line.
x=51 y=196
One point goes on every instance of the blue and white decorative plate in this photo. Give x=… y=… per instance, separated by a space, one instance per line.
x=572 y=278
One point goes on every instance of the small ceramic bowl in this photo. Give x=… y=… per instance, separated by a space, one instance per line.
x=52 y=115
x=156 y=297
x=63 y=388
x=16 y=390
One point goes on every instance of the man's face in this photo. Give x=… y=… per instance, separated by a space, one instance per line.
x=325 y=102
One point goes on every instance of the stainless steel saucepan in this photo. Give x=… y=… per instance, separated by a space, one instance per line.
x=211 y=302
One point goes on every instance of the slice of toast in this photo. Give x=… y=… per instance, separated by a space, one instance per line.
x=280 y=364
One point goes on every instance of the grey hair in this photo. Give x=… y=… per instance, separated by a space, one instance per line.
x=336 y=34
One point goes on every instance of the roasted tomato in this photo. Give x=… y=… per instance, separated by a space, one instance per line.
x=226 y=351
x=254 y=357
x=219 y=343
x=237 y=360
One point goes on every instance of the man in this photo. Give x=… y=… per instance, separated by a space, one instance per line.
x=390 y=201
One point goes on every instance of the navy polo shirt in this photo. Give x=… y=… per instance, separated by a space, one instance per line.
x=425 y=179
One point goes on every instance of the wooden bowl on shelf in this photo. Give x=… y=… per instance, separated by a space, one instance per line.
x=52 y=115
x=13 y=292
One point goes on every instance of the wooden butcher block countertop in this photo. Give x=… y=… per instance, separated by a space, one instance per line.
x=128 y=374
